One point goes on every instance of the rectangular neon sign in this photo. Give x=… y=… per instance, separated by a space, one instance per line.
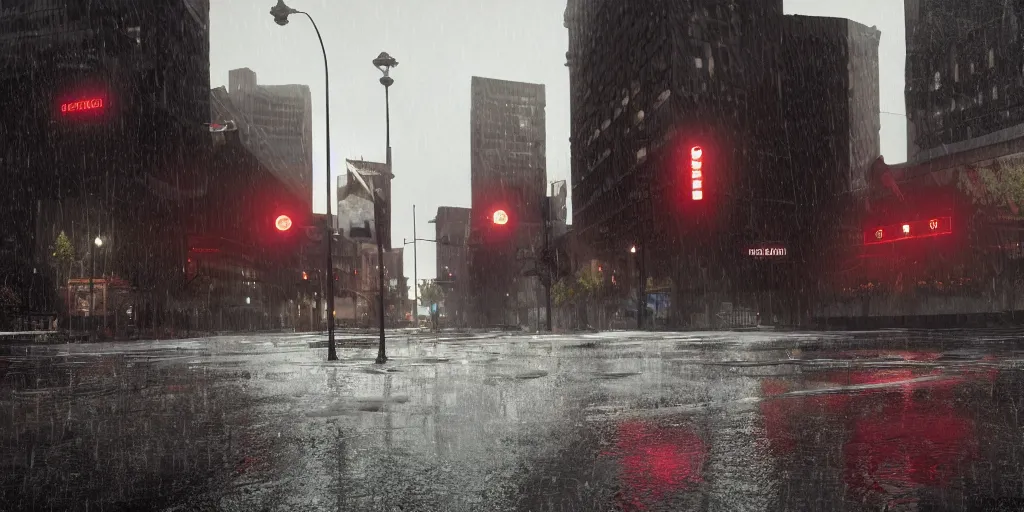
x=910 y=230
x=81 y=106
x=766 y=251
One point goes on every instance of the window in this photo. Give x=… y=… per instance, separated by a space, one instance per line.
x=991 y=58
x=937 y=81
x=641 y=155
x=995 y=92
x=698 y=63
x=956 y=71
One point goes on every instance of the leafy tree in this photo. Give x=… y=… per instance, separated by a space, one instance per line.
x=999 y=183
x=63 y=257
x=430 y=293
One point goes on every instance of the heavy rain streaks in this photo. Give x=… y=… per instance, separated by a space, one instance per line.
x=655 y=255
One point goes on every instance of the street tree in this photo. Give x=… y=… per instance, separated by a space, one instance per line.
x=63 y=257
x=430 y=293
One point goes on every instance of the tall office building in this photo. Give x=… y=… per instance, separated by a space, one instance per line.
x=275 y=123
x=649 y=79
x=964 y=75
x=508 y=175
x=105 y=105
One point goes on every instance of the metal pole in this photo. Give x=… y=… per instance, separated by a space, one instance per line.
x=332 y=354
x=415 y=274
x=92 y=270
x=640 y=306
x=381 y=353
x=548 y=261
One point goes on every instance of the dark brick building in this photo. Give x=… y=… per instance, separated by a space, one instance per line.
x=452 y=235
x=964 y=75
x=508 y=173
x=108 y=104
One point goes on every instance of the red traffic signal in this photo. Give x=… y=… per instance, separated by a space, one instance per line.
x=283 y=223
x=499 y=218
x=697 y=173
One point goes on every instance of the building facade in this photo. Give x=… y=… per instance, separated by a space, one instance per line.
x=355 y=215
x=106 y=104
x=964 y=75
x=650 y=80
x=452 y=235
x=508 y=175
x=275 y=123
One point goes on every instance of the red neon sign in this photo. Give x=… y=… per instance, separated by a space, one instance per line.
x=697 y=173
x=908 y=231
x=81 y=106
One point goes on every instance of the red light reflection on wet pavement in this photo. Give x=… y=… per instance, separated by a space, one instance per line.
x=655 y=462
x=906 y=443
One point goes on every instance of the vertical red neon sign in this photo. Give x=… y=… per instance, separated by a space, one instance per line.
x=697 y=173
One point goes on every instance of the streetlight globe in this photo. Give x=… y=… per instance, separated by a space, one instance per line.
x=98 y=241
x=632 y=249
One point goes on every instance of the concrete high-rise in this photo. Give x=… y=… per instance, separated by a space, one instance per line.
x=508 y=170
x=275 y=123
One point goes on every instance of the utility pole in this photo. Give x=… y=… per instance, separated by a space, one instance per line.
x=415 y=275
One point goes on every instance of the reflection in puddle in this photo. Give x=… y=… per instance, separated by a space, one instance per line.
x=656 y=462
x=899 y=441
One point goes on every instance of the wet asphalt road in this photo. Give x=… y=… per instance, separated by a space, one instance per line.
x=894 y=420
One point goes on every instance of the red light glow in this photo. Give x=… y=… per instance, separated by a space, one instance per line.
x=500 y=218
x=283 y=223
x=909 y=231
x=656 y=463
x=81 y=106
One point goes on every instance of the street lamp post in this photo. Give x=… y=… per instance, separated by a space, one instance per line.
x=384 y=63
x=415 y=275
x=97 y=243
x=280 y=12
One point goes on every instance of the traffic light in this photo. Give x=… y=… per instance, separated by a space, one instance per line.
x=283 y=223
x=499 y=217
x=697 y=173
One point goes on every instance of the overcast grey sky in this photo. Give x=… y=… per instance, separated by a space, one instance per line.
x=440 y=44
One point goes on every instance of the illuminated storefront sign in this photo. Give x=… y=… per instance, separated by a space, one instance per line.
x=766 y=251
x=72 y=107
x=933 y=227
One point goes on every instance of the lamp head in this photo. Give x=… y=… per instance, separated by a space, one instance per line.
x=280 y=13
x=385 y=62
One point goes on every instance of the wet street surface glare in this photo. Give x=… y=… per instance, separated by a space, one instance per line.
x=893 y=420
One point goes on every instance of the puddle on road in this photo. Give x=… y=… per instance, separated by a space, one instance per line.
x=615 y=375
x=535 y=374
